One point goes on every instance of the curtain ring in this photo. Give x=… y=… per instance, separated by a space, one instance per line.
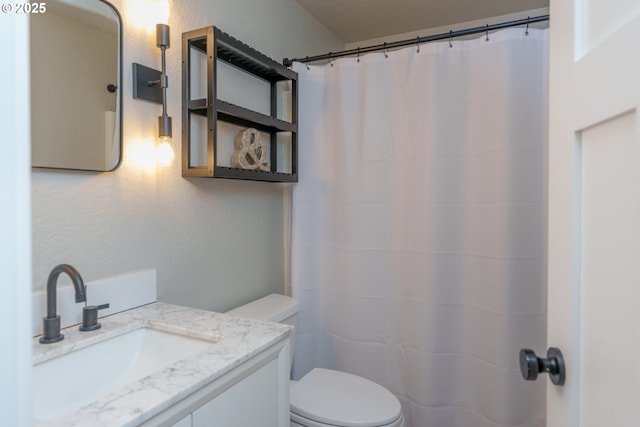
x=331 y=59
x=526 y=32
x=486 y=31
x=385 y=50
x=418 y=44
x=450 y=38
x=306 y=62
x=358 y=53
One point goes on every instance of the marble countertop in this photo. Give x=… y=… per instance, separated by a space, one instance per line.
x=237 y=340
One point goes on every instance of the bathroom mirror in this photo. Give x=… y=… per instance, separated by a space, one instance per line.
x=76 y=76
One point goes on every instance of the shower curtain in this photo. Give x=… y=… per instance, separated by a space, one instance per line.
x=419 y=225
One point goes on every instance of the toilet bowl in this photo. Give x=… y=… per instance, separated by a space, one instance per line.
x=325 y=397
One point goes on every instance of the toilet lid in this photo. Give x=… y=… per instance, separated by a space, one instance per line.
x=342 y=399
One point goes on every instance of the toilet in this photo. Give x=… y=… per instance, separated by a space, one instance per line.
x=324 y=397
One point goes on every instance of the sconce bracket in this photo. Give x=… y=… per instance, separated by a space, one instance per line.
x=142 y=88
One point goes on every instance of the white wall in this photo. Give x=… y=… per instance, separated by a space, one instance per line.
x=15 y=261
x=215 y=243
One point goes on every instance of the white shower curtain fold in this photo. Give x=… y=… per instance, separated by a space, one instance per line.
x=419 y=225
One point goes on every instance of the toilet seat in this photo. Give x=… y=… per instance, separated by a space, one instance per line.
x=326 y=397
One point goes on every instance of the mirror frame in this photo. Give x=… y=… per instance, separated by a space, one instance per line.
x=120 y=74
x=119 y=104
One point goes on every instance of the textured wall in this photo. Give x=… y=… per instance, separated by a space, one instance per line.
x=214 y=243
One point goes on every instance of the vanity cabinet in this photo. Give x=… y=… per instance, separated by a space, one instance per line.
x=251 y=402
x=255 y=394
x=244 y=127
x=185 y=422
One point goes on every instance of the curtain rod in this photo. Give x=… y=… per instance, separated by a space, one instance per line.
x=418 y=40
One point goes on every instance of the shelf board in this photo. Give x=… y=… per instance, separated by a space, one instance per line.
x=233 y=51
x=254 y=175
x=197 y=104
x=244 y=117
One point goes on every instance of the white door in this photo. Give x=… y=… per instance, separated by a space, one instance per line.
x=594 y=212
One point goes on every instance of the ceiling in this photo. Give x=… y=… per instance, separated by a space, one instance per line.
x=357 y=20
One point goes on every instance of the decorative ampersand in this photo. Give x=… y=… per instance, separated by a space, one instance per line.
x=250 y=152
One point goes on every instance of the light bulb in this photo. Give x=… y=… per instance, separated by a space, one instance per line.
x=164 y=152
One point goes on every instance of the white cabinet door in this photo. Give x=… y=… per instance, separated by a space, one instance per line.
x=185 y=422
x=252 y=402
x=594 y=211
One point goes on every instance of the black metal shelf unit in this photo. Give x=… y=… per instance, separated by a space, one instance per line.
x=216 y=45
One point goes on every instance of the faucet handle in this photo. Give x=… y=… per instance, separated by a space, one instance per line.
x=90 y=317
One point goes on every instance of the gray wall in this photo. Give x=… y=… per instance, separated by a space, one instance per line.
x=215 y=243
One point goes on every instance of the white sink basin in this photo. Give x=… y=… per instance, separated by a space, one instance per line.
x=68 y=382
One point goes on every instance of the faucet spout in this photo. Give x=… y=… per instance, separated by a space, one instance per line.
x=52 y=283
x=51 y=323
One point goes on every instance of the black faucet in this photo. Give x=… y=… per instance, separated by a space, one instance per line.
x=51 y=323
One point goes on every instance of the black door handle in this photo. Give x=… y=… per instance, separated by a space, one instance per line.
x=531 y=365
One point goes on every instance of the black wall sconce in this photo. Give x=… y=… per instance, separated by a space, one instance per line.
x=151 y=85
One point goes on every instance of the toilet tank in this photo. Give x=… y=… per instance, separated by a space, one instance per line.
x=272 y=308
